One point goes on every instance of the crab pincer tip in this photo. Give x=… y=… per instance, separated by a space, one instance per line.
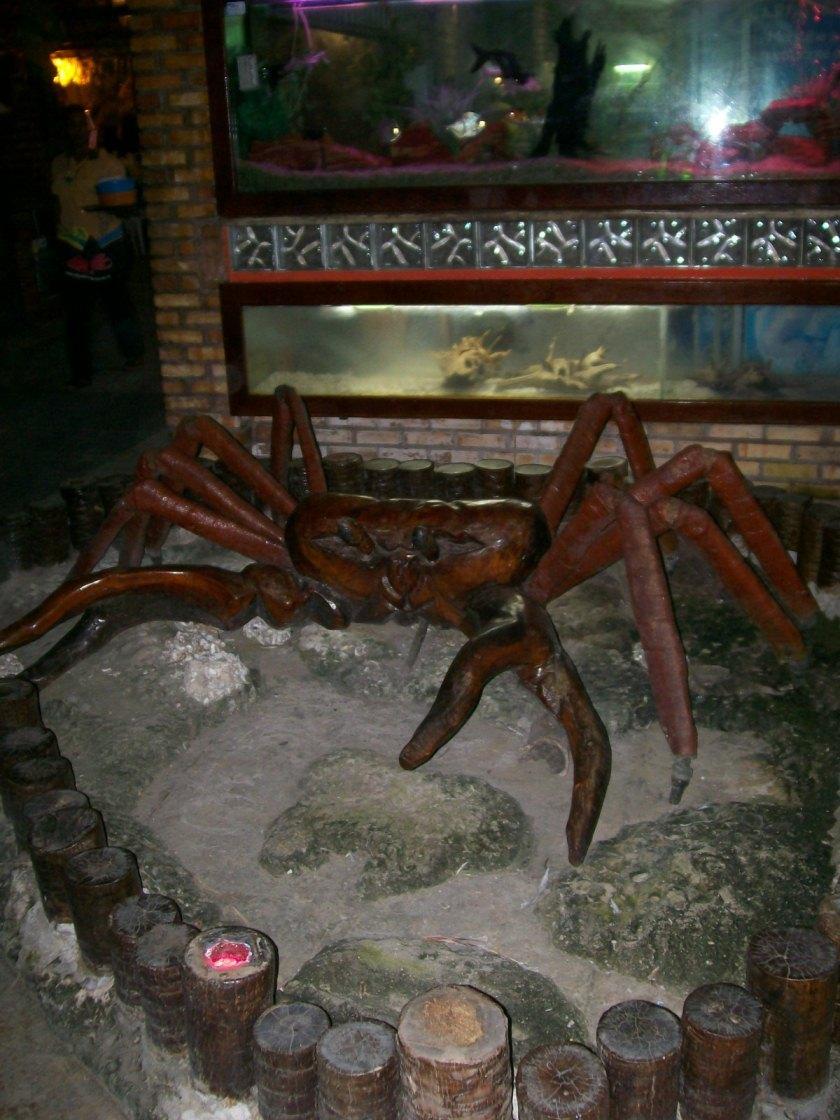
x=680 y=777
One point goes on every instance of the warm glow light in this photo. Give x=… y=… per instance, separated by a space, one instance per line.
x=716 y=122
x=633 y=67
x=70 y=70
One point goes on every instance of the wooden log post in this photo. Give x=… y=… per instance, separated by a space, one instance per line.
x=722 y=1029
x=495 y=478
x=639 y=1043
x=229 y=979
x=455 y=482
x=381 y=478
x=19 y=705
x=129 y=920
x=53 y=841
x=160 y=982
x=529 y=480
x=793 y=971
x=96 y=881
x=357 y=1072
x=562 y=1082
x=454 y=1050
x=50 y=802
x=828 y=923
x=345 y=472
x=27 y=779
x=415 y=478
x=285 y=1038
x=21 y=744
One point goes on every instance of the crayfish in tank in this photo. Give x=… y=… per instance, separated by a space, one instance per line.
x=486 y=568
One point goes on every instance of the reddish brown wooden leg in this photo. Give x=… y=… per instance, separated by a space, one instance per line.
x=734 y=572
x=509 y=631
x=225 y=595
x=748 y=517
x=156 y=500
x=203 y=431
x=589 y=423
x=557 y=684
x=289 y=414
x=657 y=626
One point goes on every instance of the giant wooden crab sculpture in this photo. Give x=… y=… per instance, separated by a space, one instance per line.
x=486 y=568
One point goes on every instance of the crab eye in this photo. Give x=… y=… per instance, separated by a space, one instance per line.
x=423 y=539
x=352 y=533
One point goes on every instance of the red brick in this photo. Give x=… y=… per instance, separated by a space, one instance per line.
x=167 y=194
x=164 y=157
x=176 y=299
x=196 y=210
x=160 y=81
x=188 y=99
x=176 y=20
x=146 y=42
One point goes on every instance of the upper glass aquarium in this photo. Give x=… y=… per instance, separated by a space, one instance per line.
x=365 y=95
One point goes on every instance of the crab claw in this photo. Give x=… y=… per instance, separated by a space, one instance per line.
x=510 y=631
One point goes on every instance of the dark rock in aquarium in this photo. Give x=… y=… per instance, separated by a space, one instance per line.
x=667 y=899
x=413 y=830
x=376 y=977
x=576 y=78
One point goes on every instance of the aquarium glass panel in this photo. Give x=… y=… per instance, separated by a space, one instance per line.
x=546 y=350
x=366 y=93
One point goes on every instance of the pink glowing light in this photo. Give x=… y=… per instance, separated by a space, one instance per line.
x=225 y=955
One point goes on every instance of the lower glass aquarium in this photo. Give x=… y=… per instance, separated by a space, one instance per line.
x=540 y=352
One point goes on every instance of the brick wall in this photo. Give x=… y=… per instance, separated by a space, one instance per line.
x=187 y=261
x=805 y=458
x=185 y=235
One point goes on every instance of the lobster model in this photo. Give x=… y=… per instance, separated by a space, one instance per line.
x=487 y=568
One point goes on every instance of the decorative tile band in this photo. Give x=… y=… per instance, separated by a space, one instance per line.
x=670 y=241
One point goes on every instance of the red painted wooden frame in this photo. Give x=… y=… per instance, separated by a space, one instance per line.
x=477 y=199
x=601 y=286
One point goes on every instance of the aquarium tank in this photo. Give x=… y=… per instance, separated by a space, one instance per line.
x=366 y=93
x=545 y=351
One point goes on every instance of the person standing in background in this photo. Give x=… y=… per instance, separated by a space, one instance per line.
x=93 y=250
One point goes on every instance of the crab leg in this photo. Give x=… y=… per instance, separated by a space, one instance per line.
x=589 y=423
x=224 y=595
x=154 y=498
x=510 y=631
x=748 y=517
x=657 y=627
x=289 y=414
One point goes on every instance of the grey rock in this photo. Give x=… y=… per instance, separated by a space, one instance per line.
x=376 y=977
x=678 y=898
x=415 y=829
